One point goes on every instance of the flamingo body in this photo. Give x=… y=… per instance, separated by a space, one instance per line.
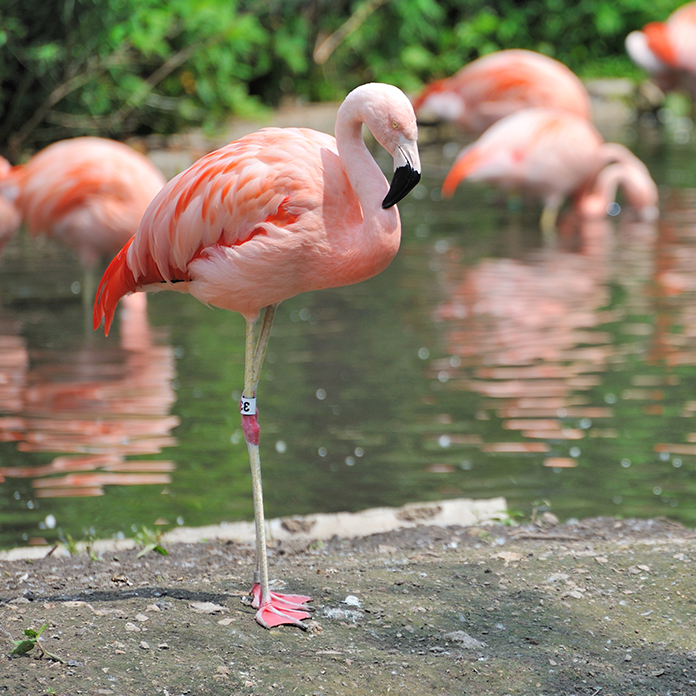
x=276 y=213
x=496 y=85
x=547 y=153
x=90 y=193
x=260 y=220
x=667 y=50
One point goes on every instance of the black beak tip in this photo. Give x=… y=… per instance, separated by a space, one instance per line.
x=404 y=180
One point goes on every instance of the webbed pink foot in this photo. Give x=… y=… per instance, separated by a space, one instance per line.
x=280 y=608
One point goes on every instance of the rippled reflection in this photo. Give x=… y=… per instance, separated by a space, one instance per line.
x=95 y=405
x=524 y=333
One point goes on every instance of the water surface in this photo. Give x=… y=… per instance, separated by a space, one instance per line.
x=484 y=361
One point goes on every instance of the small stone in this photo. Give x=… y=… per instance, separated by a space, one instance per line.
x=226 y=621
x=336 y=614
x=548 y=520
x=144 y=645
x=132 y=628
x=352 y=601
x=509 y=556
x=121 y=580
x=141 y=617
x=207 y=608
x=314 y=627
x=464 y=640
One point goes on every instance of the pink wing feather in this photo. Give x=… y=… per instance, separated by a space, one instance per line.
x=254 y=188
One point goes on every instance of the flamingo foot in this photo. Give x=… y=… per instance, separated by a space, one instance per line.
x=280 y=609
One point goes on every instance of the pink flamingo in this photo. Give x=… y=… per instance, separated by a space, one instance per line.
x=10 y=219
x=667 y=50
x=274 y=214
x=489 y=88
x=547 y=153
x=90 y=193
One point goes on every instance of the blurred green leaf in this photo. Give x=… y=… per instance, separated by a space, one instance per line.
x=22 y=646
x=121 y=68
x=608 y=20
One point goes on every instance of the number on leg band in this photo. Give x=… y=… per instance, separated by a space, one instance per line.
x=247 y=406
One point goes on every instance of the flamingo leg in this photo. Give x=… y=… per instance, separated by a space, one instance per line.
x=274 y=609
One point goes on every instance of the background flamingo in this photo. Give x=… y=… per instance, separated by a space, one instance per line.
x=499 y=84
x=667 y=50
x=547 y=153
x=10 y=218
x=90 y=193
x=276 y=213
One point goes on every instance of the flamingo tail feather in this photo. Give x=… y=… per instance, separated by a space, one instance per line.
x=118 y=280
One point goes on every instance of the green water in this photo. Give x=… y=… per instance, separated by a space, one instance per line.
x=399 y=389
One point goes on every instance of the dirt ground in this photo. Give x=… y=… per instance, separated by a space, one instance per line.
x=597 y=608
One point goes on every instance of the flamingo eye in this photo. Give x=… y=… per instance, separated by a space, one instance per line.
x=395 y=125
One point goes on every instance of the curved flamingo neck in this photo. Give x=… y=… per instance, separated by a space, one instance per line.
x=593 y=201
x=360 y=167
x=615 y=152
x=638 y=187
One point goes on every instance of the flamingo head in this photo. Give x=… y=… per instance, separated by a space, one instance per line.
x=388 y=114
x=640 y=51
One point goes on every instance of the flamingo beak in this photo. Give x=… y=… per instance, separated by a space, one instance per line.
x=407 y=172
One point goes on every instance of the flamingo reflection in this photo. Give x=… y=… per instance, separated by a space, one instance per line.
x=526 y=335
x=674 y=340
x=95 y=406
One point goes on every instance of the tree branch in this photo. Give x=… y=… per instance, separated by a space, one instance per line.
x=323 y=51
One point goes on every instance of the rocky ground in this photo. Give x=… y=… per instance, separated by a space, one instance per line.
x=599 y=607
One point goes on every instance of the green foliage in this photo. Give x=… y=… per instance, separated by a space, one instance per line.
x=121 y=67
x=435 y=39
x=148 y=541
x=72 y=545
x=126 y=67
